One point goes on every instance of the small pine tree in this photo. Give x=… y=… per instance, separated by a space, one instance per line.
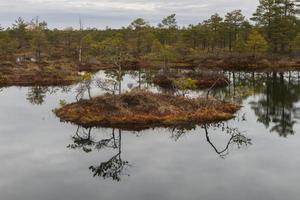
x=295 y=46
x=240 y=45
x=256 y=43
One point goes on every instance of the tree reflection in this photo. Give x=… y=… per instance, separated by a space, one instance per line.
x=36 y=95
x=276 y=107
x=236 y=139
x=82 y=140
x=113 y=168
x=274 y=97
x=140 y=76
x=242 y=86
x=179 y=131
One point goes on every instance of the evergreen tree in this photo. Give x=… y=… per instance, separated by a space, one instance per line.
x=295 y=45
x=139 y=25
x=20 y=33
x=39 y=40
x=168 y=28
x=215 y=24
x=256 y=43
x=8 y=45
x=233 y=21
x=277 y=18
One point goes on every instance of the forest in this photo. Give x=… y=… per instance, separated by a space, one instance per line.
x=271 y=34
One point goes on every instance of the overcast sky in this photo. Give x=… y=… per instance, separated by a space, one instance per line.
x=117 y=13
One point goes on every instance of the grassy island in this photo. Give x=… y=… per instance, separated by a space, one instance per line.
x=190 y=80
x=138 y=110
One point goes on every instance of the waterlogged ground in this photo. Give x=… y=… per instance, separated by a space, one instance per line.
x=255 y=156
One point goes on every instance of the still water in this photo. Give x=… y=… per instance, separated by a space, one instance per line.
x=255 y=156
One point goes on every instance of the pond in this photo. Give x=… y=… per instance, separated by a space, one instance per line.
x=254 y=156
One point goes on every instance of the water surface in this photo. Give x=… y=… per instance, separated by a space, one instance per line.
x=255 y=156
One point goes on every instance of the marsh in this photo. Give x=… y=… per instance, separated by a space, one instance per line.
x=254 y=156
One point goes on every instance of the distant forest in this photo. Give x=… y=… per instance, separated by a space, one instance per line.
x=273 y=29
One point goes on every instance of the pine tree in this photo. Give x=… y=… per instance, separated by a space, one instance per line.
x=215 y=24
x=240 y=45
x=233 y=21
x=295 y=45
x=39 y=40
x=19 y=31
x=277 y=19
x=256 y=43
x=138 y=26
x=168 y=28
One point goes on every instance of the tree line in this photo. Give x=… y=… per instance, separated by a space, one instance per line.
x=274 y=28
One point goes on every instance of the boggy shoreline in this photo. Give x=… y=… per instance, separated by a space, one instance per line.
x=139 y=110
x=65 y=72
x=247 y=63
x=48 y=73
x=43 y=74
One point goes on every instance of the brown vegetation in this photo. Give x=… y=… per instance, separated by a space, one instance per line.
x=139 y=110
x=190 y=80
x=44 y=74
x=49 y=72
x=238 y=62
x=217 y=61
x=65 y=72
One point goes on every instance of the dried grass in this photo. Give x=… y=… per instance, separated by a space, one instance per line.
x=141 y=110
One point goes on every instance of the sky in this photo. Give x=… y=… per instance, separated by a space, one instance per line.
x=117 y=13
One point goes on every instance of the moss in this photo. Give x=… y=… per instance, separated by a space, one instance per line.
x=141 y=110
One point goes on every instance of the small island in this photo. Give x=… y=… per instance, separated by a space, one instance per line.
x=138 y=110
x=191 y=80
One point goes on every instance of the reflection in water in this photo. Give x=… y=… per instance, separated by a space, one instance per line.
x=179 y=132
x=276 y=107
x=113 y=168
x=36 y=95
x=274 y=98
x=236 y=139
x=273 y=95
x=274 y=103
x=140 y=76
x=105 y=153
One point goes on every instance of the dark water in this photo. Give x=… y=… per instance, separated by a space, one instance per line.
x=255 y=156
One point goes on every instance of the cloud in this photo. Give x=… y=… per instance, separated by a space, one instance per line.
x=118 y=13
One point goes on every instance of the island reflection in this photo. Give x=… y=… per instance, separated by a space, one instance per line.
x=92 y=139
